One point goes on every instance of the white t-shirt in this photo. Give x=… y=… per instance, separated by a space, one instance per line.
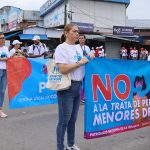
x=101 y=53
x=124 y=52
x=4 y=53
x=69 y=54
x=84 y=48
x=38 y=49
x=12 y=52
x=148 y=58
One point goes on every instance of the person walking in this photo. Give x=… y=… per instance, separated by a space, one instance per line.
x=4 y=55
x=69 y=58
x=38 y=49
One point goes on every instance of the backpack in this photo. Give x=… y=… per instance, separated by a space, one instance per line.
x=44 y=46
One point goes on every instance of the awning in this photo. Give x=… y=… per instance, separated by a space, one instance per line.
x=94 y=36
x=11 y=35
x=122 y=38
x=30 y=36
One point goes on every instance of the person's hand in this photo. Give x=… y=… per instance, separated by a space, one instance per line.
x=92 y=56
x=83 y=61
x=42 y=54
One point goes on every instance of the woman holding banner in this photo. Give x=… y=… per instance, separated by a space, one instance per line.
x=4 y=54
x=70 y=60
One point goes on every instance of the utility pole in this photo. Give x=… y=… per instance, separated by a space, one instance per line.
x=65 y=12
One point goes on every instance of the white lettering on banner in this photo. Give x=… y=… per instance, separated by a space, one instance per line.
x=136 y=104
x=100 y=108
x=38 y=98
x=121 y=106
x=146 y=102
x=106 y=117
x=42 y=86
x=146 y=112
x=119 y=129
x=123 y=111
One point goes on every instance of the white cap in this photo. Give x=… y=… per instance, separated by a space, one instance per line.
x=16 y=42
x=36 y=37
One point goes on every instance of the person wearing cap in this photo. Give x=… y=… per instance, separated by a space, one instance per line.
x=4 y=55
x=38 y=49
x=15 y=51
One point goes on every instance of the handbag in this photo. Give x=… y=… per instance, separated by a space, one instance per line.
x=56 y=80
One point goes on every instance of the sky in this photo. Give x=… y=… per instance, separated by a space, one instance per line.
x=138 y=9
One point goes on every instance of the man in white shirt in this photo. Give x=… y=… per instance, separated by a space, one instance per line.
x=38 y=49
x=4 y=55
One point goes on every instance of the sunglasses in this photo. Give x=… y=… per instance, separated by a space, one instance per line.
x=2 y=38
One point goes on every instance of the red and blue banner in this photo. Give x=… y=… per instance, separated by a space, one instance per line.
x=26 y=83
x=117 y=96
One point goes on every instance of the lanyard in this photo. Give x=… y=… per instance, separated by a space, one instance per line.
x=84 y=51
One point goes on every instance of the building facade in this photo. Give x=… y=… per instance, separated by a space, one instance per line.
x=99 y=15
x=92 y=16
x=14 y=19
x=142 y=29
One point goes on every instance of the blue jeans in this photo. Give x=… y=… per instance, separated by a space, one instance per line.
x=68 y=106
x=3 y=83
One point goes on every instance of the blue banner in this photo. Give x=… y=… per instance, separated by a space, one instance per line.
x=26 y=83
x=117 y=96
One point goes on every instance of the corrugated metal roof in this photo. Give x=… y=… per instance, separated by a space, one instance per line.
x=138 y=23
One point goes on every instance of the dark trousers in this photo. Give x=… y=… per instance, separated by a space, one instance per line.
x=68 y=106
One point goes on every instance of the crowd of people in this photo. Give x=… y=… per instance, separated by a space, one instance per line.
x=36 y=50
x=70 y=58
x=133 y=53
x=98 y=51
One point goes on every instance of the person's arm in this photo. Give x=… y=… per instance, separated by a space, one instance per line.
x=34 y=56
x=46 y=51
x=67 y=68
x=31 y=54
x=3 y=59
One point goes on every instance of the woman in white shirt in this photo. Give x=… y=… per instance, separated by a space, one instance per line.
x=15 y=51
x=4 y=54
x=69 y=58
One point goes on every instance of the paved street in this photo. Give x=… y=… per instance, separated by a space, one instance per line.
x=34 y=129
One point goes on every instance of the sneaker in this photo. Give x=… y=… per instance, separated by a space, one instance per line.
x=74 y=147
x=3 y=115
